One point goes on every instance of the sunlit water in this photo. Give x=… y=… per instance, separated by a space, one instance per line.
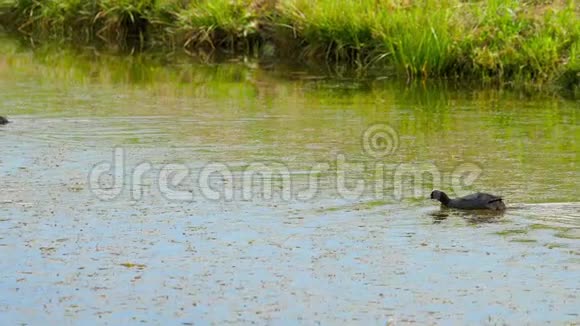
x=318 y=250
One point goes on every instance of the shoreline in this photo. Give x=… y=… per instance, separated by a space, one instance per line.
x=510 y=44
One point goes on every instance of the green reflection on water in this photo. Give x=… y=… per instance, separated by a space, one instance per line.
x=241 y=111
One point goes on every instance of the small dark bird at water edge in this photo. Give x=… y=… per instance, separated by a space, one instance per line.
x=478 y=200
x=3 y=120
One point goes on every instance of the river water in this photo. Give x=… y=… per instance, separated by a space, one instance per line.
x=153 y=189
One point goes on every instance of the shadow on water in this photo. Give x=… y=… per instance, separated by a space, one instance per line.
x=562 y=214
x=473 y=216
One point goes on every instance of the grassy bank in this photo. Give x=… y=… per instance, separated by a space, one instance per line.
x=513 y=42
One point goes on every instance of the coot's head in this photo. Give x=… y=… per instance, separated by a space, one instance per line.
x=440 y=196
x=3 y=120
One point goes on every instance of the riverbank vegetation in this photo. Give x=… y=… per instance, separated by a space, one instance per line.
x=506 y=42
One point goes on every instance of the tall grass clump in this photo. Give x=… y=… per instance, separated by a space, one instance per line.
x=124 y=20
x=421 y=40
x=333 y=29
x=514 y=40
x=217 y=23
x=188 y=23
x=115 y=21
x=53 y=19
x=416 y=38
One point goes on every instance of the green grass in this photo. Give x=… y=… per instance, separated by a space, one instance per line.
x=506 y=42
x=217 y=23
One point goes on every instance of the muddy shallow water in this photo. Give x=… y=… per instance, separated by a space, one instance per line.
x=95 y=225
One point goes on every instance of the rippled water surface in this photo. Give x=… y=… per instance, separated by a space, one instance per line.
x=145 y=241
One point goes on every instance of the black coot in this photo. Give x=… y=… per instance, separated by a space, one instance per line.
x=3 y=120
x=478 y=200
